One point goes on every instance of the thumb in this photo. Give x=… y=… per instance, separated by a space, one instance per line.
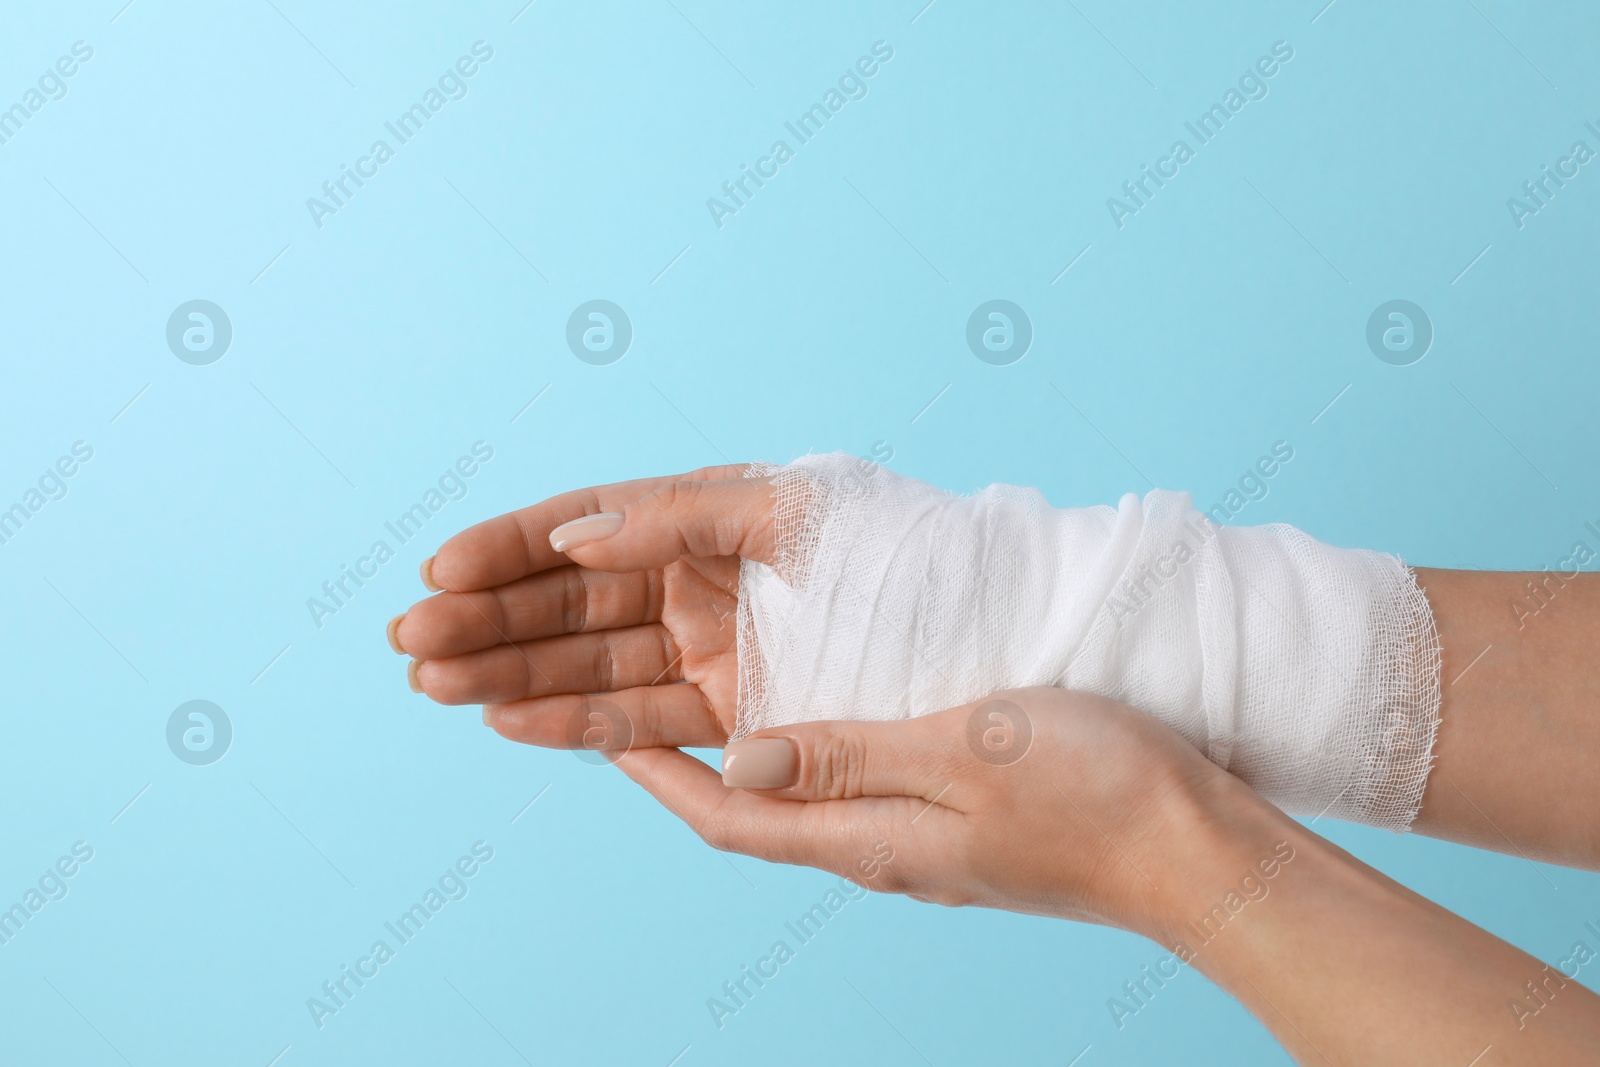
x=840 y=760
x=732 y=517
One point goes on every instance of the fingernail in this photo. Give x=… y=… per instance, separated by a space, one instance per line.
x=413 y=676
x=427 y=577
x=759 y=763
x=582 y=531
x=394 y=633
x=487 y=720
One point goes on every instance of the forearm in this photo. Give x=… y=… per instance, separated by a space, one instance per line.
x=1518 y=755
x=1344 y=965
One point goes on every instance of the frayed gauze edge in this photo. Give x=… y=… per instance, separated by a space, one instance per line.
x=1309 y=671
x=1401 y=747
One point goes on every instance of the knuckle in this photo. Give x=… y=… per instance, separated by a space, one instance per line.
x=718 y=831
x=605 y=665
x=838 y=767
x=715 y=833
x=703 y=532
x=655 y=593
x=496 y=609
x=644 y=721
x=675 y=496
x=574 y=602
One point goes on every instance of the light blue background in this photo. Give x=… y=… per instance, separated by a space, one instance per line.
x=370 y=353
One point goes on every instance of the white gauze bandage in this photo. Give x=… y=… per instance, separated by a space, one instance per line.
x=1311 y=672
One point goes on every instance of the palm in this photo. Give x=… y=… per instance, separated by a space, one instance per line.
x=699 y=608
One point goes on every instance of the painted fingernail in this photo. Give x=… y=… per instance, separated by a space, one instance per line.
x=394 y=633
x=427 y=577
x=582 y=531
x=759 y=763
x=413 y=676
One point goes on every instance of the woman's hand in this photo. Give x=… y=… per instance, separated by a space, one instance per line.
x=1070 y=805
x=536 y=634
x=1034 y=800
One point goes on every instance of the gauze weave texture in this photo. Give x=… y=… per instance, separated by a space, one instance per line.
x=1311 y=672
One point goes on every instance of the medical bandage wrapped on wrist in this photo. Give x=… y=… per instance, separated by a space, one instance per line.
x=1310 y=672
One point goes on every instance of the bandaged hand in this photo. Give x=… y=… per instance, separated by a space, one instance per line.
x=836 y=589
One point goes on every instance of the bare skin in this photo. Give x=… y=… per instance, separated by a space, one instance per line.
x=1341 y=963
x=1520 y=693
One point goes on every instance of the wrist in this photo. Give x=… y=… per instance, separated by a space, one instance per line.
x=1220 y=851
x=1229 y=851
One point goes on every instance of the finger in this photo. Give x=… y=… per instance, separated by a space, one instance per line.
x=572 y=663
x=510 y=546
x=730 y=517
x=643 y=717
x=559 y=601
x=833 y=836
x=843 y=760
